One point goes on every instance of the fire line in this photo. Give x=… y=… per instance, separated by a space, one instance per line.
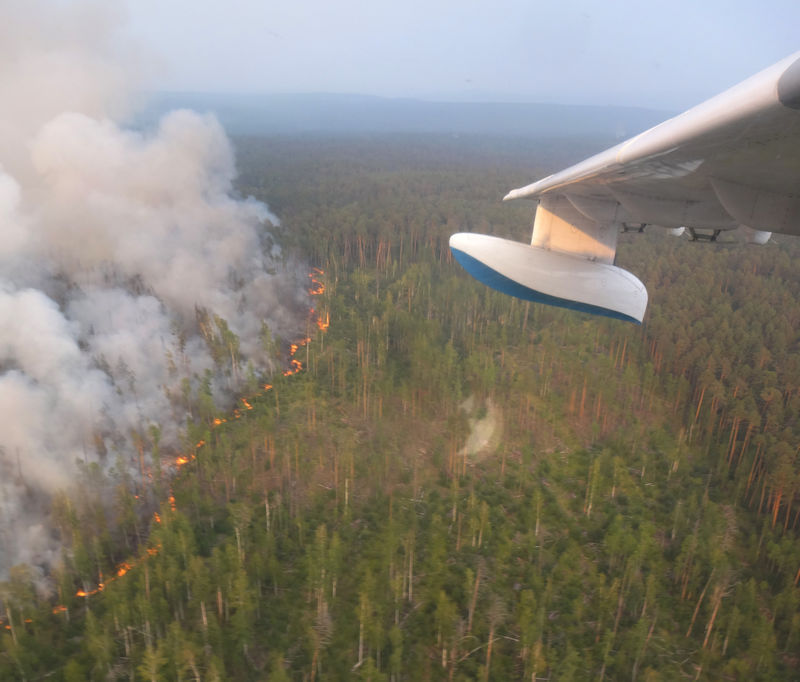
x=317 y=289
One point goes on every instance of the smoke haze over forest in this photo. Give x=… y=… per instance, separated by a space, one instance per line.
x=117 y=247
x=261 y=114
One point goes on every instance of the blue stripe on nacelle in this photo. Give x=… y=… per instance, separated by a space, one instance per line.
x=483 y=273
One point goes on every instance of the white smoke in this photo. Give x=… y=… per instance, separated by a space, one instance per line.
x=111 y=240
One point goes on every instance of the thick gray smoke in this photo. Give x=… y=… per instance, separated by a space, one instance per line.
x=116 y=249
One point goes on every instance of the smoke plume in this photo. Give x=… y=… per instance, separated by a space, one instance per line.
x=123 y=256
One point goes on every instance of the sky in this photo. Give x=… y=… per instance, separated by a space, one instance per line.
x=649 y=53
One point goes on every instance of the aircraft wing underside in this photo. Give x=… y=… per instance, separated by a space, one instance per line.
x=732 y=161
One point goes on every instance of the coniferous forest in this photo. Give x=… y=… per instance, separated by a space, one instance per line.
x=457 y=485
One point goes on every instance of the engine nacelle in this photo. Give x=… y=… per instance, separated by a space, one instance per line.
x=545 y=276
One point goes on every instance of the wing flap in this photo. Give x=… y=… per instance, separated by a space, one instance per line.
x=759 y=209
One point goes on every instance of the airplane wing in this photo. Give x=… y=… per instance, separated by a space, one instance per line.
x=729 y=162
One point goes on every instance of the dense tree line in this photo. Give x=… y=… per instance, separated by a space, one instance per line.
x=634 y=516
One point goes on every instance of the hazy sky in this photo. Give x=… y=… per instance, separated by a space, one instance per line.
x=646 y=52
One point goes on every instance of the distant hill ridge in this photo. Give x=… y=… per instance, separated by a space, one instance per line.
x=263 y=114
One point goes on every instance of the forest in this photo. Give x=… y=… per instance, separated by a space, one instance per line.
x=447 y=483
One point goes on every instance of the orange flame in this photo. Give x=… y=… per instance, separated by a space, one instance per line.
x=318 y=287
x=121 y=570
x=295 y=365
